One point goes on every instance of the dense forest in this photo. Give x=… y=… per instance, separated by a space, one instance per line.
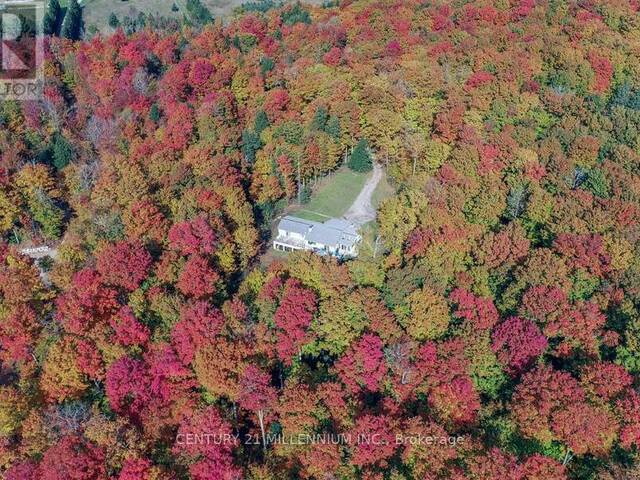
x=498 y=318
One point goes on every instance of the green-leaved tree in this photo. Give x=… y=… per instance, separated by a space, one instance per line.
x=72 y=23
x=51 y=16
x=360 y=159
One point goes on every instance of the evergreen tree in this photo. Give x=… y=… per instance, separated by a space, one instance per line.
x=113 y=21
x=261 y=122
x=332 y=128
x=320 y=119
x=360 y=159
x=305 y=194
x=266 y=65
x=72 y=23
x=61 y=151
x=50 y=22
x=294 y=15
x=597 y=183
x=154 y=113
x=198 y=13
x=250 y=145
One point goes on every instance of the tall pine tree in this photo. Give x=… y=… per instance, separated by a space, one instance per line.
x=360 y=159
x=51 y=16
x=72 y=22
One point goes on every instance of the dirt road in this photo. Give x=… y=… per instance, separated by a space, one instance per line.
x=362 y=210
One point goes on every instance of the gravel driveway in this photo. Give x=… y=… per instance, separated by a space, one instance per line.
x=362 y=210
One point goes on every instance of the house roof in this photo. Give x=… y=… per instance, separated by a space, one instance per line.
x=333 y=232
x=296 y=225
x=340 y=224
x=324 y=235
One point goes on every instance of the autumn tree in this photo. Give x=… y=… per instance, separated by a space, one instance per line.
x=362 y=367
x=518 y=343
x=72 y=458
x=257 y=395
x=198 y=326
x=292 y=317
x=213 y=455
x=429 y=317
x=124 y=264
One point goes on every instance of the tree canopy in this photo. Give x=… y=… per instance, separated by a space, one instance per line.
x=493 y=308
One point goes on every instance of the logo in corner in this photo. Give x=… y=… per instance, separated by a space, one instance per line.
x=21 y=52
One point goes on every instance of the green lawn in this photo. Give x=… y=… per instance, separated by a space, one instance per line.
x=333 y=196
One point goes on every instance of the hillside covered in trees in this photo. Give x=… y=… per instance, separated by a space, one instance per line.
x=498 y=316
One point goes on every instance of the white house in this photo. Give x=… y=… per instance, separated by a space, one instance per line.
x=334 y=237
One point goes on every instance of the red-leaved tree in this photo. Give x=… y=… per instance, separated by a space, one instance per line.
x=362 y=367
x=257 y=395
x=72 y=458
x=191 y=237
x=198 y=326
x=124 y=264
x=293 y=316
x=518 y=343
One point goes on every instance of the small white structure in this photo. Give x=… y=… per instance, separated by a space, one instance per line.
x=335 y=237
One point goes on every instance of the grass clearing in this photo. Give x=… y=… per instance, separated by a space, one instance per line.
x=307 y=215
x=333 y=196
x=96 y=12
